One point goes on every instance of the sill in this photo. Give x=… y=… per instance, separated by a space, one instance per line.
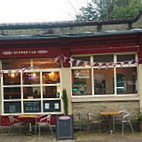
x=103 y=98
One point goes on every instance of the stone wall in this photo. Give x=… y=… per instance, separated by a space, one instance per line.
x=131 y=106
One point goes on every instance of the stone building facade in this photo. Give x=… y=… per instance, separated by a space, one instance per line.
x=108 y=44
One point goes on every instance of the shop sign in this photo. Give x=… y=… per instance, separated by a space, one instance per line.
x=23 y=52
x=82 y=74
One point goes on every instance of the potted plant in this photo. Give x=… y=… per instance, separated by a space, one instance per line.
x=139 y=119
x=65 y=101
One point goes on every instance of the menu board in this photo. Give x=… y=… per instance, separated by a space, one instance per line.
x=32 y=106
x=64 y=127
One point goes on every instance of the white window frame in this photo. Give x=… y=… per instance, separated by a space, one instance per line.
x=21 y=85
x=92 y=68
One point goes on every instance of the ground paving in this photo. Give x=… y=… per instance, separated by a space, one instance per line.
x=79 y=136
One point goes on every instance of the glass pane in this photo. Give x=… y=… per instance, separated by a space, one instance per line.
x=103 y=58
x=12 y=107
x=50 y=77
x=126 y=80
x=15 y=63
x=32 y=106
x=44 y=63
x=31 y=78
x=103 y=81
x=81 y=82
x=12 y=93
x=81 y=61
x=11 y=79
x=50 y=92
x=125 y=57
x=51 y=106
x=31 y=92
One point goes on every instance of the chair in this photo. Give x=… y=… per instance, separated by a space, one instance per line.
x=79 y=120
x=94 y=118
x=43 y=120
x=126 y=120
x=14 y=122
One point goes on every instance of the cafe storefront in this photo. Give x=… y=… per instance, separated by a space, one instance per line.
x=92 y=68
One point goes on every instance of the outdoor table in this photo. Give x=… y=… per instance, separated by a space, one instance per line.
x=110 y=114
x=28 y=118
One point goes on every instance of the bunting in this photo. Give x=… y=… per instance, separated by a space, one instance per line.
x=76 y=62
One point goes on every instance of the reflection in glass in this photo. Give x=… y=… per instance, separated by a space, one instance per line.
x=31 y=92
x=12 y=107
x=79 y=61
x=81 y=82
x=103 y=58
x=103 y=81
x=50 y=77
x=44 y=63
x=125 y=57
x=12 y=93
x=15 y=63
x=31 y=78
x=126 y=80
x=50 y=92
x=11 y=78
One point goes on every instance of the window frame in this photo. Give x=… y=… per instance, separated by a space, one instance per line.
x=40 y=85
x=114 y=68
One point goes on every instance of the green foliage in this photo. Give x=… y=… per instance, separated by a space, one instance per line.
x=139 y=115
x=65 y=101
x=128 y=10
x=109 y=9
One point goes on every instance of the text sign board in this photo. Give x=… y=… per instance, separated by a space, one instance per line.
x=64 y=127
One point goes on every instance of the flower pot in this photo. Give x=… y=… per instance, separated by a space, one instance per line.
x=140 y=126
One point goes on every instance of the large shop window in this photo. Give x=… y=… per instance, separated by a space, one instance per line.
x=104 y=75
x=32 y=90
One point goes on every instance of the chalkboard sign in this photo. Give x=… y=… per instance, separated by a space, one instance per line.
x=12 y=107
x=64 y=127
x=32 y=106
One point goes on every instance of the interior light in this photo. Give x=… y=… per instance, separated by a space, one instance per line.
x=12 y=75
x=53 y=76
x=34 y=75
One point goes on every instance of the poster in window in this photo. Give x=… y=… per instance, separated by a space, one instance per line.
x=56 y=105
x=47 y=105
x=12 y=108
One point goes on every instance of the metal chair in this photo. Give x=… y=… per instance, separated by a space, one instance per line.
x=94 y=118
x=126 y=120
x=44 y=120
x=79 y=119
x=14 y=122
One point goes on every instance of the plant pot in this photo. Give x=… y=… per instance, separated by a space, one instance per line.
x=140 y=126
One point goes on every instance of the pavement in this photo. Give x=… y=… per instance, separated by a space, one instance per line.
x=79 y=136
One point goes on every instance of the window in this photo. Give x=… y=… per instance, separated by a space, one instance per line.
x=81 y=82
x=29 y=90
x=103 y=81
x=104 y=75
x=126 y=80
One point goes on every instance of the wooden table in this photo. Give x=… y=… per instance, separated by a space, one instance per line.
x=28 y=118
x=109 y=114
